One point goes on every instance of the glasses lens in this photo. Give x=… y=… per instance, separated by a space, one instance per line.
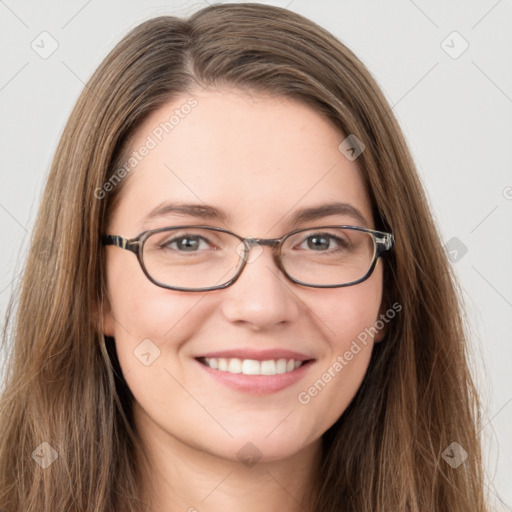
x=328 y=256
x=192 y=258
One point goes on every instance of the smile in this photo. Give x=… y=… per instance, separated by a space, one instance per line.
x=256 y=371
x=252 y=366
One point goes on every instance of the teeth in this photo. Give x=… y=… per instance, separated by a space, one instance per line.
x=251 y=366
x=281 y=366
x=268 y=367
x=234 y=365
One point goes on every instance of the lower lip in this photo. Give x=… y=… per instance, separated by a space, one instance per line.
x=258 y=384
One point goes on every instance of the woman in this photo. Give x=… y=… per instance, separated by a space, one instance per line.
x=287 y=333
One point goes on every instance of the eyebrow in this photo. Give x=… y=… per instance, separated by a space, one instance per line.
x=207 y=212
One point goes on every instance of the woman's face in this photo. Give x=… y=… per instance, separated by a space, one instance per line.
x=259 y=161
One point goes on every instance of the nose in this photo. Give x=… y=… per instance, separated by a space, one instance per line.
x=262 y=297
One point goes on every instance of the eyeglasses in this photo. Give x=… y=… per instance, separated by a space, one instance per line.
x=203 y=258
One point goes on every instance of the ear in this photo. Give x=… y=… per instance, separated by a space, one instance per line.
x=381 y=324
x=103 y=319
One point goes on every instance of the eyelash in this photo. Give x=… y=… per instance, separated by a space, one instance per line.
x=184 y=235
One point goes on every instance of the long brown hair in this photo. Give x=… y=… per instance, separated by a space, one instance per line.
x=63 y=385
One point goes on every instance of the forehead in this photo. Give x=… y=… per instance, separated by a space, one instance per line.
x=257 y=158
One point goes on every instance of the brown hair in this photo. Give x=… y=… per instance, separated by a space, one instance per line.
x=64 y=385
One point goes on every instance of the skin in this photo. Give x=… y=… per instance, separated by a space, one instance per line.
x=260 y=159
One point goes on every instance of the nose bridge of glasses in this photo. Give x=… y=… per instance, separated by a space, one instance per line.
x=270 y=242
x=251 y=242
x=262 y=241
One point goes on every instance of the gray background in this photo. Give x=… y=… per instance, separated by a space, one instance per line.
x=455 y=109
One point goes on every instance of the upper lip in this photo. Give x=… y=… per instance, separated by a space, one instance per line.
x=258 y=355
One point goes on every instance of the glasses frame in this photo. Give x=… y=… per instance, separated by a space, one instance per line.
x=383 y=243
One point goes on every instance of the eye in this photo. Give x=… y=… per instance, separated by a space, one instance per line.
x=319 y=242
x=186 y=243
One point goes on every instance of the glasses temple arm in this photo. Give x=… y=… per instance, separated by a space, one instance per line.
x=123 y=243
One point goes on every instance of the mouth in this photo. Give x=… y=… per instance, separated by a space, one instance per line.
x=256 y=372
x=252 y=366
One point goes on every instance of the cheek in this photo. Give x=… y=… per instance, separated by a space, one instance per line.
x=351 y=311
x=332 y=387
x=348 y=319
x=155 y=314
x=150 y=324
x=139 y=308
